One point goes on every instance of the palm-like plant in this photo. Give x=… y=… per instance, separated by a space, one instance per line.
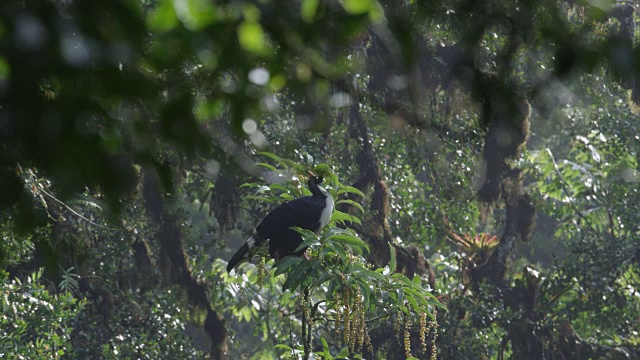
x=478 y=248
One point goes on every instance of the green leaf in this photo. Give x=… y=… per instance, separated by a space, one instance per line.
x=348 y=239
x=416 y=280
x=245 y=313
x=297 y=275
x=400 y=295
x=163 y=17
x=285 y=264
x=350 y=189
x=334 y=231
x=308 y=241
x=305 y=233
x=262 y=199
x=366 y=291
x=325 y=171
x=251 y=37
x=343 y=353
x=325 y=350
x=342 y=217
x=294 y=165
x=351 y=202
x=308 y=9
x=283 y=346
x=265 y=165
x=5 y=70
x=392 y=256
x=196 y=14
x=286 y=163
x=336 y=249
x=207 y=109
x=324 y=276
x=356 y=7
x=286 y=197
x=272 y=156
x=278 y=187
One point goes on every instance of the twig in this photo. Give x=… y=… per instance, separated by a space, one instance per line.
x=78 y=214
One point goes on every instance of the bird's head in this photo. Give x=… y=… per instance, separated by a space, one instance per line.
x=320 y=173
x=315 y=178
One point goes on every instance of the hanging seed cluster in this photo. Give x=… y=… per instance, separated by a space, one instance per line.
x=407 y=337
x=338 y=302
x=346 y=316
x=262 y=272
x=351 y=326
x=433 y=324
x=424 y=331
x=396 y=328
x=357 y=326
x=426 y=328
x=307 y=322
x=350 y=313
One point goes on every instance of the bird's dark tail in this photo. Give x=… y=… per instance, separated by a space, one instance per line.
x=241 y=253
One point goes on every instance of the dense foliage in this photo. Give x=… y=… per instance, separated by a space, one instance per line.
x=483 y=157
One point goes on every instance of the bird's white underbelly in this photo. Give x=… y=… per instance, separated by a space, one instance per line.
x=327 y=211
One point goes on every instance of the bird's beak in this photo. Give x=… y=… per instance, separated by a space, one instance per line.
x=311 y=174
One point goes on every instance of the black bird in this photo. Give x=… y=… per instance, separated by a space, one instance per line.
x=308 y=212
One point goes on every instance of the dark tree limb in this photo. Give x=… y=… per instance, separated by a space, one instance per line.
x=409 y=261
x=172 y=254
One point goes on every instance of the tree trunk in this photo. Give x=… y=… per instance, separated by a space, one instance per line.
x=173 y=255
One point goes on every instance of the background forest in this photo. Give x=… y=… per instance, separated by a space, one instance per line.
x=483 y=157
